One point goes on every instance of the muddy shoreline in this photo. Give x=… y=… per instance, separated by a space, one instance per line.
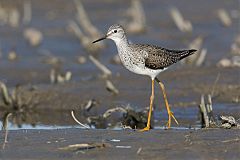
x=155 y=144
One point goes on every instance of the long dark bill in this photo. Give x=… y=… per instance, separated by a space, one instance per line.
x=100 y=39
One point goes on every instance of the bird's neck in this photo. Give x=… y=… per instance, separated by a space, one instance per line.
x=122 y=43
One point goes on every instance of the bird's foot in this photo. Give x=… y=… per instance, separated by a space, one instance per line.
x=145 y=129
x=170 y=116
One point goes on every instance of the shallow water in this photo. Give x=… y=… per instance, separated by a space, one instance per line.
x=160 y=31
x=188 y=119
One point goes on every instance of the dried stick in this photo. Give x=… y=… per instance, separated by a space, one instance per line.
x=5 y=127
x=84 y=20
x=84 y=146
x=89 y=105
x=27 y=11
x=14 y=17
x=75 y=119
x=3 y=15
x=196 y=44
x=182 y=24
x=103 y=68
x=111 y=87
x=204 y=114
x=5 y=95
x=52 y=76
x=110 y=111
x=209 y=106
x=85 y=41
x=137 y=13
x=210 y=110
x=201 y=57
x=224 y=17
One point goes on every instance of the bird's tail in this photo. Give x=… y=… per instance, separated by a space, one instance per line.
x=188 y=53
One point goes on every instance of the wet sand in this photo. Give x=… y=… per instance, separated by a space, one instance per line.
x=124 y=144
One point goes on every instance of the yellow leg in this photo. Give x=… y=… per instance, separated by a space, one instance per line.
x=147 y=128
x=170 y=113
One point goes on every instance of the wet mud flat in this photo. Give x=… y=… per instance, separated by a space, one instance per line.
x=184 y=84
x=122 y=144
x=51 y=103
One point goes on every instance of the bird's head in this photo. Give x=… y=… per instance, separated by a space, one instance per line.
x=115 y=33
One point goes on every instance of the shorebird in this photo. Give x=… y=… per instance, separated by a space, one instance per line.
x=147 y=60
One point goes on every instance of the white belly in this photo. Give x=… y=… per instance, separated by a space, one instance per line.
x=139 y=68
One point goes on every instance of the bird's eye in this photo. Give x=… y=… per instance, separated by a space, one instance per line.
x=115 y=31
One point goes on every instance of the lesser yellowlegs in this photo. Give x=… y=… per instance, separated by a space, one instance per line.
x=146 y=59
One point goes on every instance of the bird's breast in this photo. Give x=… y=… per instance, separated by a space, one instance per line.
x=132 y=63
x=136 y=64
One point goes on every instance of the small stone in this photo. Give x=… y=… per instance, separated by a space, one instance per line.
x=68 y=76
x=81 y=59
x=224 y=63
x=12 y=55
x=33 y=36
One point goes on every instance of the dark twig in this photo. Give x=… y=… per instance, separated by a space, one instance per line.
x=204 y=115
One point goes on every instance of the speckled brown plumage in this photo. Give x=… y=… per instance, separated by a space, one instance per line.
x=143 y=58
x=160 y=58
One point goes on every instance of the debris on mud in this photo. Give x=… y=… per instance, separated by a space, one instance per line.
x=137 y=18
x=58 y=77
x=33 y=36
x=89 y=105
x=233 y=62
x=5 y=129
x=224 y=17
x=107 y=73
x=50 y=59
x=21 y=103
x=111 y=88
x=206 y=112
x=228 y=122
x=182 y=24
x=84 y=146
x=12 y=55
x=123 y=118
x=16 y=98
x=209 y=120
x=129 y=118
x=76 y=120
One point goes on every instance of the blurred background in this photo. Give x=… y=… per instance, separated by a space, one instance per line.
x=49 y=66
